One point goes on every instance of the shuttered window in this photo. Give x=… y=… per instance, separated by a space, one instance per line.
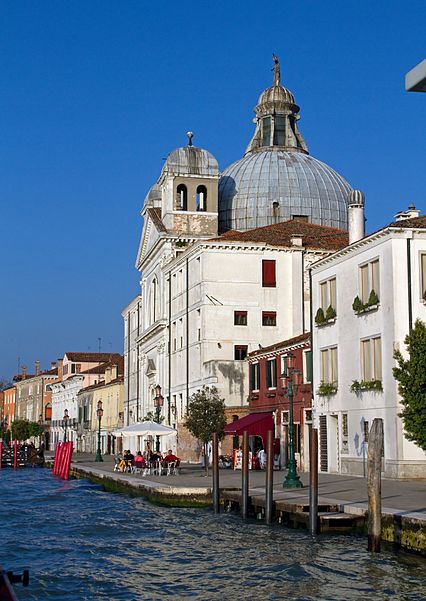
x=268 y=273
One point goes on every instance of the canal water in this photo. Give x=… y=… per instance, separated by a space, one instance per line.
x=80 y=542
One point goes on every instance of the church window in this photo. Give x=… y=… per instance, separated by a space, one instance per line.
x=182 y=198
x=266 y=131
x=240 y=352
x=279 y=130
x=153 y=299
x=268 y=274
x=201 y=198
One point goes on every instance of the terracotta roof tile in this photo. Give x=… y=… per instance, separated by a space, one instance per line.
x=280 y=234
x=92 y=357
x=413 y=222
x=282 y=345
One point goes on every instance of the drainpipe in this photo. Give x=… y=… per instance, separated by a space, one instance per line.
x=170 y=350
x=409 y=292
x=187 y=331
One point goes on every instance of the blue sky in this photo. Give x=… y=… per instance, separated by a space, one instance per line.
x=94 y=94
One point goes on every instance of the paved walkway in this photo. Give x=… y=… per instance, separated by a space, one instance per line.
x=398 y=497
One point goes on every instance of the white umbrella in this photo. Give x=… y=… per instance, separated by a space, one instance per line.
x=145 y=429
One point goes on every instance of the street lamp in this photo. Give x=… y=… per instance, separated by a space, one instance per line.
x=290 y=380
x=65 y=422
x=99 y=413
x=158 y=404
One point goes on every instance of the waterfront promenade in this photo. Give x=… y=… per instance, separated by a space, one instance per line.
x=398 y=496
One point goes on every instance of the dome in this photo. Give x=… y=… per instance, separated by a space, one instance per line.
x=272 y=185
x=190 y=160
x=277 y=179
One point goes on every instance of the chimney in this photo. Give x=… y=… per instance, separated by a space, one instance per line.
x=296 y=240
x=37 y=367
x=356 y=216
x=114 y=372
x=53 y=365
x=24 y=372
x=108 y=375
x=408 y=214
x=60 y=369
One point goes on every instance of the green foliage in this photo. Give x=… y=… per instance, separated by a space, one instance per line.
x=6 y=436
x=320 y=317
x=206 y=414
x=358 y=386
x=34 y=429
x=373 y=299
x=411 y=377
x=152 y=417
x=327 y=388
x=330 y=313
x=357 y=305
x=20 y=429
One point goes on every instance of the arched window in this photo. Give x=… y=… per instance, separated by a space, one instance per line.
x=181 y=198
x=153 y=299
x=48 y=412
x=201 y=198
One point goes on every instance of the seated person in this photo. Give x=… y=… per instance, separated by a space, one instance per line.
x=128 y=458
x=155 y=456
x=169 y=458
x=139 y=460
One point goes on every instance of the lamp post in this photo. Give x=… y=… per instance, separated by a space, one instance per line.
x=290 y=379
x=99 y=413
x=65 y=422
x=158 y=404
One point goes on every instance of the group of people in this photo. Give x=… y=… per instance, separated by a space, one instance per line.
x=128 y=461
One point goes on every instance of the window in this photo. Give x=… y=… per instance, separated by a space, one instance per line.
x=181 y=198
x=307 y=355
x=271 y=373
x=366 y=431
x=328 y=294
x=423 y=276
x=266 y=131
x=269 y=318
x=65 y=370
x=345 y=442
x=240 y=352
x=240 y=318
x=371 y=359
x=369 y=279
x=48 y=412
x=201 y=198
x=254 y=376
x=279 y=130
x=268 y=274
x=30 y=390
x=329 y=365
x=300 y=218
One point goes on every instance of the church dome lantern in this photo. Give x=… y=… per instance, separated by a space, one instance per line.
x=277 y=179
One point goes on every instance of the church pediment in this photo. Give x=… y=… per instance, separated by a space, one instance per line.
x=152 y=229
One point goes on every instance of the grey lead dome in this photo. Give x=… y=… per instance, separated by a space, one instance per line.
x=277 y=179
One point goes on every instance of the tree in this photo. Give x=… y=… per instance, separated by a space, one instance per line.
x=206 y=415
x=411 y=377
x=20 y=429
x=34 y=429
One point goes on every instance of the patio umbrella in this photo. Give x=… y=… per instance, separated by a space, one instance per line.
x=145 y=429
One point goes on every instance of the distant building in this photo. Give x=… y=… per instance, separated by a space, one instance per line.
x=9 y=395
x=377 y=287
x=132 y=318
x=75 y=371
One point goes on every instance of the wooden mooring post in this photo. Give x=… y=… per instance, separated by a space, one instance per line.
x=269 y=493
x=313 y=481
x=245 y=477
x=374 y=483
x=216 y=499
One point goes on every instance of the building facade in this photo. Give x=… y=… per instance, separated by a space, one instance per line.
x=376 y=287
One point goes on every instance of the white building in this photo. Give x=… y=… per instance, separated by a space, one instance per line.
x=353 y=351
x=211 y=294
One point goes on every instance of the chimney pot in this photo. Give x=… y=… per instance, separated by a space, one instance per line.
x=356 y=216
x=37 y=367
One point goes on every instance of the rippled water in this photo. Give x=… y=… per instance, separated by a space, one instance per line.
x=82 y=543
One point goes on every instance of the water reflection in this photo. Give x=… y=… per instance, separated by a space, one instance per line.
x=82 y=543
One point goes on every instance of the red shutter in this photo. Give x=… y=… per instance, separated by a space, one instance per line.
x=268 y=274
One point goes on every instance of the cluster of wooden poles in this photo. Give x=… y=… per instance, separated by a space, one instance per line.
x=375 y=446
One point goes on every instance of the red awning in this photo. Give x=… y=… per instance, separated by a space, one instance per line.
x=256 y=424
